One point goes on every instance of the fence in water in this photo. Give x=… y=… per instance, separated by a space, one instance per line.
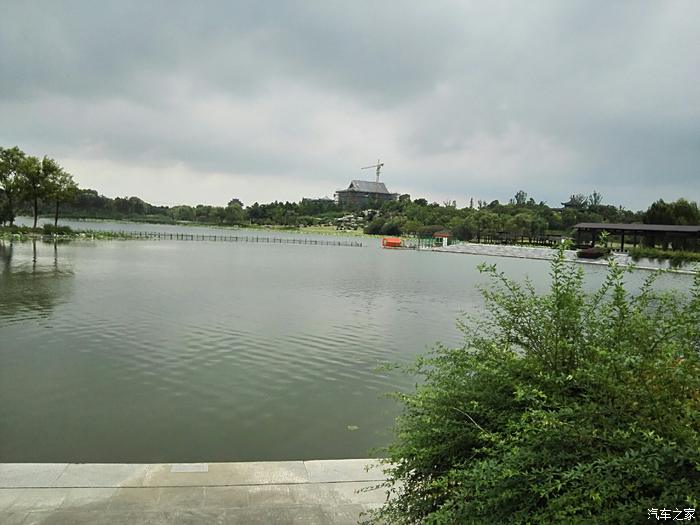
x=232 y=238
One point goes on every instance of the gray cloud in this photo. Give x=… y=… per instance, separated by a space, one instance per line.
x=279 y=100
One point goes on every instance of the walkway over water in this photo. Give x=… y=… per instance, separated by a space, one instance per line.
x=230 y=238
x=310 y=492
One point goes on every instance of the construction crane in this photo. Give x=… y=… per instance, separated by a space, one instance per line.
x=378 y=165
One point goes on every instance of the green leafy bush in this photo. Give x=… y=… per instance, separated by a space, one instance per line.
x=392 y=227
x=50 y=229
x=675 y=257
x=16 y=229
x=375 y=226
x=560 y=408
x=595 y=252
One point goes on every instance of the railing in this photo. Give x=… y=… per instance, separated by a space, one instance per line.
x=231 y=238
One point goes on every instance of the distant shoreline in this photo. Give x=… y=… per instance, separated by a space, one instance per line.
x=317 y=230
x=466 y=248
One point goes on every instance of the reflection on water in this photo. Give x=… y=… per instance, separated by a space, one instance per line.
x=148 y=351
x=32 y=281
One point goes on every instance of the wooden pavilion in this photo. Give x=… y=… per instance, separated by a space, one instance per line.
x=667 y=236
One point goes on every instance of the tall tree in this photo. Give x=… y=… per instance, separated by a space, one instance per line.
x=34 y=176
x=660 y=212
x=520 y=198
x=60 y=188
x=4 y=209
x=678 y=212
x=595 y=198
x=233 y=213
x=685 y=212
x=11 y=179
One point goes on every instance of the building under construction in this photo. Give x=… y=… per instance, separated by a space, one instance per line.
x=364 y=194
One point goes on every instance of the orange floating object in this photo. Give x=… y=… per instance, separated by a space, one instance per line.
x=391 y=242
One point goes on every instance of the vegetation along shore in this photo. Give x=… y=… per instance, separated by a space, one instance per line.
x=41 y=188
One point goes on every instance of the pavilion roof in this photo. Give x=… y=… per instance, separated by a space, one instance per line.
x=366 y=186
x=637 y=227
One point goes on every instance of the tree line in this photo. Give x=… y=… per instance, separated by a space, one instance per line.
x=521 y=216
x=28 y=180
x=36 y=187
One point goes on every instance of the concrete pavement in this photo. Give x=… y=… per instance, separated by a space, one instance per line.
x=322 y=492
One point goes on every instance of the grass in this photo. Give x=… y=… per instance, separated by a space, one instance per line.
x=20 y=233
x=48 y=231
x=675 y=257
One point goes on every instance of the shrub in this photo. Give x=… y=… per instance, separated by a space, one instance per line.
x=595 y=252
x=463 y=230
x=375 y=226
x=674 y=257
x=50 y=229
x=559 y=408
x=15 y=229
x=392 y=227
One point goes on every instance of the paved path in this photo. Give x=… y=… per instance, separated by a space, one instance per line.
x=523 y=252
x=301 y=492
x=532 y=252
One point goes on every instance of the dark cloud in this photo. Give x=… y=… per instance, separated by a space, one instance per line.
x=460 y=99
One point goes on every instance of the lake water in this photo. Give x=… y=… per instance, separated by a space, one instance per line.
x=172 y=351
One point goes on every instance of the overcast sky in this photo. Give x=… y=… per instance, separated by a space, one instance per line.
x=199 y=102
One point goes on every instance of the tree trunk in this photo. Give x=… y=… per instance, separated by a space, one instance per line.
x=36 y=210
x=55 y=219
x=11 y=208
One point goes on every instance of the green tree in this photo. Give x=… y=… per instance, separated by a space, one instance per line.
x=235 y=201
x=60 y=187
x=487 y=222
x=521 y=223
x=393 y=227
x=411 y=227
x=11 y=160
x=520 y=198
x=538 y=226
x=375 y=226
x=564 y=407
x=234 y=214
x=659 y=213
x=569 y=217
x=578 y=200
x=182 y=213
x=685 y=212
x=34 y=180
x=680 y=212
x=4 y=209
x=463 y=229
x=595 y=198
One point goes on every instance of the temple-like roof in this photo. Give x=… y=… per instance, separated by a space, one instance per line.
x=365 y=186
